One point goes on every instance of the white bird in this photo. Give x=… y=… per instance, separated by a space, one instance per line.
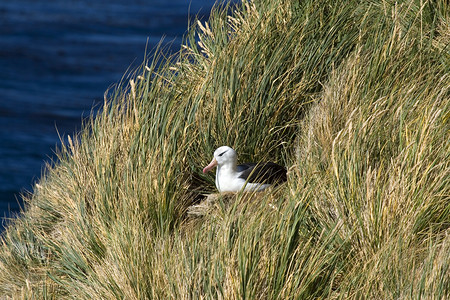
x=231 y=177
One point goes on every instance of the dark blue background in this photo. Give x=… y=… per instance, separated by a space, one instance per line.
x=57 y=58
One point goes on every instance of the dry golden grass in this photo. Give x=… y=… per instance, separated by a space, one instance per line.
x=353 y=99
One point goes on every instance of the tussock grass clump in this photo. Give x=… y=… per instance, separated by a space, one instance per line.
x=353 y=99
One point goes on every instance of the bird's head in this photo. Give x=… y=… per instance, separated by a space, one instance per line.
x=222 y=156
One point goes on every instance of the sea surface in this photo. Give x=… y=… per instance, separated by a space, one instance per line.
x=57 y=58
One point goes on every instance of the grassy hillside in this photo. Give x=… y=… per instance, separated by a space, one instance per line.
x=353 y=98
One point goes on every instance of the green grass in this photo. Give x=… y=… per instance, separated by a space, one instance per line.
x=353 y=99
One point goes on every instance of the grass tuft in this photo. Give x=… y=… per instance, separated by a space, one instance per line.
x=353 y=99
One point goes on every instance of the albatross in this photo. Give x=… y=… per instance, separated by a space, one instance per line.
x=231 y=177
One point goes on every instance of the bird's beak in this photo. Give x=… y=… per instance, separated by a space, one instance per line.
x=211 y=165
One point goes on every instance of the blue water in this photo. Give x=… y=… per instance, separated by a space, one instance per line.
x=57 y=58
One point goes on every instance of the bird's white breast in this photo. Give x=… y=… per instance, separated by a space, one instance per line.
x=228 y=180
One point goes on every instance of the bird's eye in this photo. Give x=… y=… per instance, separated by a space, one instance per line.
x=222 y=153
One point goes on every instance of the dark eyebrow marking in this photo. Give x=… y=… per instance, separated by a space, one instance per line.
x=223 y=153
